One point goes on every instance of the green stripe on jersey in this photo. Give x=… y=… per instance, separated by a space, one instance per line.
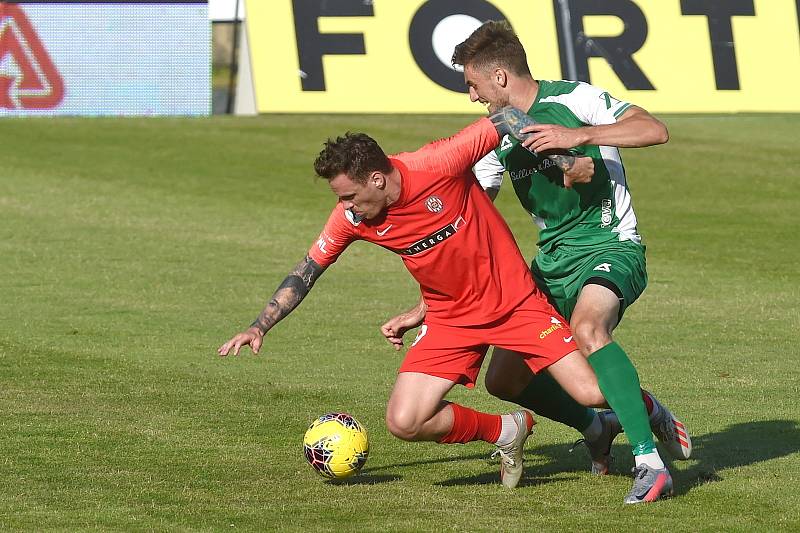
x=621 y=110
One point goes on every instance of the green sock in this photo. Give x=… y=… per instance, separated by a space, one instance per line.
x=619 y=383
x=545 y=397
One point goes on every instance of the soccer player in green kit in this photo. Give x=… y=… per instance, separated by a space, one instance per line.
x=591 y=262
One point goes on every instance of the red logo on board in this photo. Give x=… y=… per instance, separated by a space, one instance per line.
x=28 y=77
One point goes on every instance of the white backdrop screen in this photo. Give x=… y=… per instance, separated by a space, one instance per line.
x=105 y=58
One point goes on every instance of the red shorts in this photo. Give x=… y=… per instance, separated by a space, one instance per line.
x=533 y=328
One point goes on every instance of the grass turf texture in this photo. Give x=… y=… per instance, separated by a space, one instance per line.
x=131 y=249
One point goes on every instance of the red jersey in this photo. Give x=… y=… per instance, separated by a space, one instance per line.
x=445 y=228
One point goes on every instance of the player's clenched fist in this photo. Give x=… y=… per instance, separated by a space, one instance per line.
x=581 y=171
x=252 y=337
x=396 y=327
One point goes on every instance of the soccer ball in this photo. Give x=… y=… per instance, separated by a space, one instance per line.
x=336 y=445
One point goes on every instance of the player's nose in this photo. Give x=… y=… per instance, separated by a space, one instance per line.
x=473 y=96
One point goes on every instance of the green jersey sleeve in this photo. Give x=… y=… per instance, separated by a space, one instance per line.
x=590 y=105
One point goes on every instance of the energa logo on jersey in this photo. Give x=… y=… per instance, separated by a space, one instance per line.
x=28 y=77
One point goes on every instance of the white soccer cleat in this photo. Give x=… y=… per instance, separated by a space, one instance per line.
x=511 y=454
x=671 y=432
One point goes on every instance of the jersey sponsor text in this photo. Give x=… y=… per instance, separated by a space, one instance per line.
x=433 y=239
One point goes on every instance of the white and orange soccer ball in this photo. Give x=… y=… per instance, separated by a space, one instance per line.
x=336 y=445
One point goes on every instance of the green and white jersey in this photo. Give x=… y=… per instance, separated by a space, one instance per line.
x=586 y=214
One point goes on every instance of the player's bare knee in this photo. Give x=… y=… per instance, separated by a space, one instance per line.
x=401 y=432
x=589 y=396
x=595 y=398
x=590 y=335
x=581 y=397
x=402 y=425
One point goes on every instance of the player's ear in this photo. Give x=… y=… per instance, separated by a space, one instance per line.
x=378 y=179
x=500 y=77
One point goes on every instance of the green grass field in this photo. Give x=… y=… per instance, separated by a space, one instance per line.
x=131 y=248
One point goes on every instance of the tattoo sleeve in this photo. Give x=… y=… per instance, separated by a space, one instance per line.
x=564 y=162
x=510 y=120
x=289 y=294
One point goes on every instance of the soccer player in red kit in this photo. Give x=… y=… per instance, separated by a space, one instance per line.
x=427 y=207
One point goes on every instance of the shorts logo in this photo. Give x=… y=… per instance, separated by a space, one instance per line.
x=434 y=204
x=557 y=324
x=421 y=333
x=28 y=77
x=433 y=239
x=605 y=213
x=605 y=267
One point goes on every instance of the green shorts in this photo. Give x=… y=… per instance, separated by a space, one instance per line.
x=620 y=266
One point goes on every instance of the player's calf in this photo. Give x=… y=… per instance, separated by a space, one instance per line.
x=671 y=432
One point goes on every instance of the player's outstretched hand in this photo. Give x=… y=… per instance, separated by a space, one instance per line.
x=551 y=137
x=581 y=172
x=396 y=327
x=252 y=337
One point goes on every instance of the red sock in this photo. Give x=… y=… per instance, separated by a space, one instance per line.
x=470 y=425
x=648 y=402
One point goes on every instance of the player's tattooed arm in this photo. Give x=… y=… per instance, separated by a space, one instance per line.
x=510 y=121
x=289 y=294
x=564 y=162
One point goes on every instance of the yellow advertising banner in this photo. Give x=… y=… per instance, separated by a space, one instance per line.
x=393 y=56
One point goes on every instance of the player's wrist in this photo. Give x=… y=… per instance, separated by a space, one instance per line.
x=257 y=328
x=584 y=135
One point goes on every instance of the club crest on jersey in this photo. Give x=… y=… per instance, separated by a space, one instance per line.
x=352 y=217
x=434 y=204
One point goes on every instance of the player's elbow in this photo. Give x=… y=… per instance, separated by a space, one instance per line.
x=663 y=135
x=660 y=133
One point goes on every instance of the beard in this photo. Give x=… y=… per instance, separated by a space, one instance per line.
x=499 y=103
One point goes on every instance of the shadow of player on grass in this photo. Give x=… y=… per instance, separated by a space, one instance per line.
x=737 y=445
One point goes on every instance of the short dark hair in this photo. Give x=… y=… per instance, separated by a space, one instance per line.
x=356 y=155
x=494 y=44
